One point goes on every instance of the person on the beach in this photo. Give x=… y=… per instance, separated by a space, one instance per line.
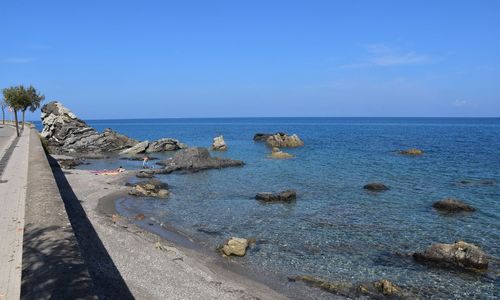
x=145 y=162
x=120 y=169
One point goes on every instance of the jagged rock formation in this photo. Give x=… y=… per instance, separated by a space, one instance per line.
x=149 y=188
x=65 y=133
x=279 y=140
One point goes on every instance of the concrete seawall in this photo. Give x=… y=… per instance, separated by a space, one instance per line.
x=52 y=264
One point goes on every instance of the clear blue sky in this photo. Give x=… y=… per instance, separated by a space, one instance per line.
x=145 y=59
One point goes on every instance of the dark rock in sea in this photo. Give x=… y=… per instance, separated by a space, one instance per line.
x=69 y=162
x=149 y=188
x=375 y=187
x=65 y=133
x=452 y=206
x=284 y=196
x=279 y=140
x=372 y=290
x=194 y=160
x=412 y=151
x=144 y=174
x=460 y=255
x=476 y=182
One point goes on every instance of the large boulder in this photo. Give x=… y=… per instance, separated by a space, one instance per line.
x=149 y=188
x=284 y=196
x=279 y=139
x=458 y=255
x=65 y=133
x=194 y=160
x=235 y=246
x=452 y=206
x=165 y=144
x=138 y=148
x=219 y=144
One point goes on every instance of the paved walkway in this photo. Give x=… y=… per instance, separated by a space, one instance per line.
x=13 y=183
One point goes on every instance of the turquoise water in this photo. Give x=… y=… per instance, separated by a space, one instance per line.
x=335 y=229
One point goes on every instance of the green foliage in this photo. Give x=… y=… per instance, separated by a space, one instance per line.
x=21 y=98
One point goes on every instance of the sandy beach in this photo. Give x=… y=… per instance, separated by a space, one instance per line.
x=152 y=267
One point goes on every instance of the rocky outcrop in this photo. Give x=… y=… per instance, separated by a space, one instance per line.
x=219 y=144
x=412 y=151
x=279 y=140
x=276 y=153
x=67 y=134
x=452 y=206
x=144 y=174
x=375 y=187
x=460 y=255
x=370 y=290
x=235 y=246
x=194 y=160
x=138 y=148
x=284 y=196
x=149 y=188
x=165 y=144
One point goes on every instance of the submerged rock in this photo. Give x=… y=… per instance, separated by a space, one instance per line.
x=284 y=196
x=376 y=290
x=149 y=188
x=278 y=154
x=452 y=206
x=460 y=255
x=219 y=144
x=412 y=151
x=194 y=160
x=235 y=246
x=165 y=144
x=375 y=187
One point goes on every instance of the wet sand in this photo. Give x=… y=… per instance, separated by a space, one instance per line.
x=154 y=267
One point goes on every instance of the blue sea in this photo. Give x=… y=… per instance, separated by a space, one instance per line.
x=335 y=229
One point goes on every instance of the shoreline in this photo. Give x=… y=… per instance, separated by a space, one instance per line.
x=162 y=248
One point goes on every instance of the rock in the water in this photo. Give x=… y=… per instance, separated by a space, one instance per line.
x=194 y=160
x=375 y=187
x=149 y=188
x=71 y=163
x=412 y=151
x=235 y=246
x=453 y=206
x=165 y=144
x=279 y=140
x=65 y=133
x=219 y=144
x=457 y=255
x=138 y=148
x=284 y=196
x=143 y=174
x=278 y=154
x=373 y=290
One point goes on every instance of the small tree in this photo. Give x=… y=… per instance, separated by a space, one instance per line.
x=3 y=105
x=21 y=98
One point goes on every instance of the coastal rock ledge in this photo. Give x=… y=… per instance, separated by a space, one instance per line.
x=279 y=140
x=65 y=133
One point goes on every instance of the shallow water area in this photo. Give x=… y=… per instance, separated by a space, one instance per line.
x=335 y=229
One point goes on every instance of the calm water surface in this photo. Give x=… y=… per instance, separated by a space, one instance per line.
x=335 y=229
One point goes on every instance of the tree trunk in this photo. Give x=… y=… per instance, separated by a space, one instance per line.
x=3 y=116
x=17 y=124
x=23 y=120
